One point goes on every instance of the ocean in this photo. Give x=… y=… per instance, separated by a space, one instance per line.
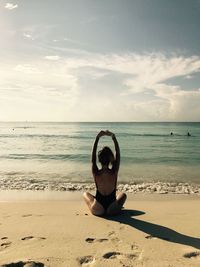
x=61 y=152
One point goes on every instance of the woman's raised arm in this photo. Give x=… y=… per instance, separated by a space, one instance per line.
x=94 y=152
x=116 y=163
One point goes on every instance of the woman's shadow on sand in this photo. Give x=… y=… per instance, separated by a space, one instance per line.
x=154 y=230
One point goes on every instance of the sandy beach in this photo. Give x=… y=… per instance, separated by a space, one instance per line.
x=56 y=229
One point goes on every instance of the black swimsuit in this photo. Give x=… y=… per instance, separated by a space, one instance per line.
x=106 y=200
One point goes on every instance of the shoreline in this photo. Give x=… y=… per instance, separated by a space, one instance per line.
x=133 y=188
x=25 y=196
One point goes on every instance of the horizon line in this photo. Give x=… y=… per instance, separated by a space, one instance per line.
x=26 y=121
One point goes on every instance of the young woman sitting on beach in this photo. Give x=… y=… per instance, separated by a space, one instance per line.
x=105 y=201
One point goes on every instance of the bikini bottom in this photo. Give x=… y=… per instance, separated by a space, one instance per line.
x=106 y=200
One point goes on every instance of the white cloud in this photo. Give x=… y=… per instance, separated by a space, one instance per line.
x=185 y=105
x=11 y=6
x=145 y=69
x=37 y=91
x=82 y=87
x=75 y=42
x=28 y=36
x=52 y=58
x=147 y=74
x=27 y=69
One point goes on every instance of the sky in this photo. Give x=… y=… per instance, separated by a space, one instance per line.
x=100 y=60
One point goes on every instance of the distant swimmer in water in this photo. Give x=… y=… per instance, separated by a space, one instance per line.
x=171 y=133
x=188 y=134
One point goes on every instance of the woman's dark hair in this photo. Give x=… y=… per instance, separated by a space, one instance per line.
x=105 y=156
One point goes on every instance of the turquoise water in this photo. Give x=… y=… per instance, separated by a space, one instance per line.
x=62 y=151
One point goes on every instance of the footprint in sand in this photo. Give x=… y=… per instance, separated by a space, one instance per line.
x=23 y=264
x=32 y=237
x=115 y=240
x=134 y=247
x=111 y=255
x=92 y=240
x=29 y=215
x=4 y=237
x=86 y=260
x=119 y=255
x=27 y=237
x=190 y=255
x=113 y=236
x=6 y=244
x=111 y=233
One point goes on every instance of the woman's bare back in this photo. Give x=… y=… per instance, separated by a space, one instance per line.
x=106 y=181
